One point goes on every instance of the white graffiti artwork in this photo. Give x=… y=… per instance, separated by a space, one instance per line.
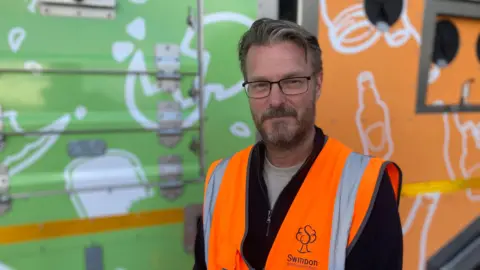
x=32 y=6
x=430 y=202
x=16 y=37
x=366 y=86
x=137 y=28
x=350 y=32
x=115 y=168
x=464 y=166
x=457 y=167
x=122 y=50
x=33 y=151
x=240 y=129
x=34 y=66
x=4 y=267
x=138 y=2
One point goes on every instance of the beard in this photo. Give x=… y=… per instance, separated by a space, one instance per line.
x=282 y=134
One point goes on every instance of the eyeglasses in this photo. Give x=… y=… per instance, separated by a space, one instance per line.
x=289 y=86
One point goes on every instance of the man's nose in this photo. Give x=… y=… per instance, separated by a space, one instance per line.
x=277 y=97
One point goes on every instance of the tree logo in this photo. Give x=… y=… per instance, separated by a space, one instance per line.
x=306 y=236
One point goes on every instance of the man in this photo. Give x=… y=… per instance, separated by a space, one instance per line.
x=297 y=198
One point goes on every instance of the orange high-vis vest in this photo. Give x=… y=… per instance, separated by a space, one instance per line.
x=326 y=217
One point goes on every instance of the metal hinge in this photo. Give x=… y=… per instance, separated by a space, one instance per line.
x=5 y=200
x=170 y=120
x=167 y=60
x=171 y=173
x=96 y=9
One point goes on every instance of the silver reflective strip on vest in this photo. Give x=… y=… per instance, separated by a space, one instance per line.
x=211 y=194
x=344 y=207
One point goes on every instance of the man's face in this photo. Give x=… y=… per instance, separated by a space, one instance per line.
x=282 y=120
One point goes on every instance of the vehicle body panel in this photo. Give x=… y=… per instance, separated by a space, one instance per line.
x=372 y=80
x=115 y=109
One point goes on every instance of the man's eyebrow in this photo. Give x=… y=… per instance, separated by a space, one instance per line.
x=285 y=76
x=258 y=78
x=295 y=74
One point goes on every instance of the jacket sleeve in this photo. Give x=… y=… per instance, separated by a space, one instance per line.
x=380 y=245
x=199 y=249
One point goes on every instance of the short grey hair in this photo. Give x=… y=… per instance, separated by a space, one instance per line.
x=269 y=31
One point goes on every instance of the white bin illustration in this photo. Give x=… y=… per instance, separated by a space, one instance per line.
x=116 y=167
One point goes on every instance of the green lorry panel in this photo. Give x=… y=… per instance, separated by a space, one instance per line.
x=99 y=103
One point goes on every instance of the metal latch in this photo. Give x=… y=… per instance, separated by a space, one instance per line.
x=2 y=129
x=171 y=173
x=96 y=9
x=167 y=60
x=170 y=120
x=5 y=200
x=87 y=148
x=192 y=215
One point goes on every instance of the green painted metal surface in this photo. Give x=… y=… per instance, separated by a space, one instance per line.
x=84 y=102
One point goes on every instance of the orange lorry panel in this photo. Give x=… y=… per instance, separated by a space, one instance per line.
x=368 y=102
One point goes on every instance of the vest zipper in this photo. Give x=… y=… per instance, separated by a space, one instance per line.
x=269 y=220
x=270 y=208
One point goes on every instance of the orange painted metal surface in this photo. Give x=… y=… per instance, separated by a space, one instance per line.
x=368 y=102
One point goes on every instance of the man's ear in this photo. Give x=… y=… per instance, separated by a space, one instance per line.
x=318 y=88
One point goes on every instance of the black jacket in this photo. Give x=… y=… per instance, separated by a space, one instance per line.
x=380 y=245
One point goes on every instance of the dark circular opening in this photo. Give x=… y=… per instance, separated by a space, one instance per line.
x=383 y=13
x=446 y=43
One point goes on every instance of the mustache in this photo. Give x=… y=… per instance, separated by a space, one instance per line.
x=278 y=112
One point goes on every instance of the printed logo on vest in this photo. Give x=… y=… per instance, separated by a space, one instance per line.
x=306 y=236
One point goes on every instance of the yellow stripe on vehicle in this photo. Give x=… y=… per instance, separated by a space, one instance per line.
x=445 y=186
x=75 y=227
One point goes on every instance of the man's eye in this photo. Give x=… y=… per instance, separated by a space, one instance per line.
x=293 y=82
x=260 y=85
